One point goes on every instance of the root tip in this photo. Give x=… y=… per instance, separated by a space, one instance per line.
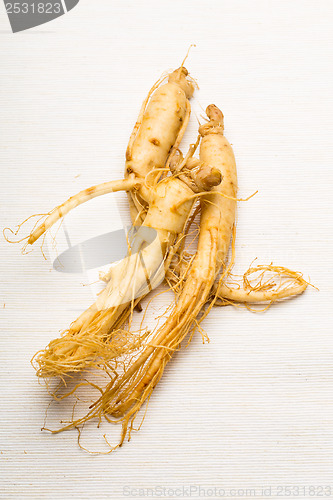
x=214 y=114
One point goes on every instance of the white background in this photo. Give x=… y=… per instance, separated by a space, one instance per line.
x=253 y=408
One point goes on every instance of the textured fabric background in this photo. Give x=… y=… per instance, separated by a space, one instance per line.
x=253 y=408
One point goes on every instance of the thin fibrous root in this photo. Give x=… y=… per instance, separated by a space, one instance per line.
x=263 y=283
x=76 y=200
x=74 y=352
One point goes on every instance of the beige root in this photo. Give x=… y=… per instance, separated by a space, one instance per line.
x=280 y=284
x=217 y=218
x=124 y=396
x=130 y=281
x=123 y=399
x=156 y=136
x=81 y=197
x=157 y=133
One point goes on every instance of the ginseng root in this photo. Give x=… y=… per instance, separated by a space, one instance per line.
x=81 y=197
x=272 y=283
x=162 y=187
x=123 y=398
x=157 y=133
x=129 y=281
